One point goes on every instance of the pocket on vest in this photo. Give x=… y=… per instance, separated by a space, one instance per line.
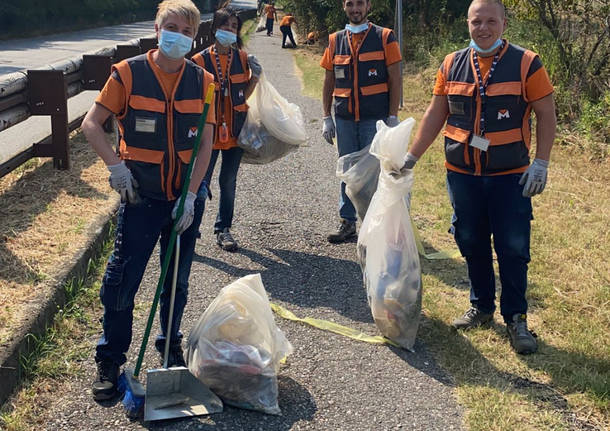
x=343 y=101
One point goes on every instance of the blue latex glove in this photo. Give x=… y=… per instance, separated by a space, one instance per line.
x=188 y=213
x=534 y=178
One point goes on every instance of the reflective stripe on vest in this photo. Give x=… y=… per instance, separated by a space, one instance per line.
x=238 y=81
x=507 y=113
x=361 y=87
x=156 y=146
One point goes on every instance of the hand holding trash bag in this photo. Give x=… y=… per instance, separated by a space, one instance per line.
x=255 y=66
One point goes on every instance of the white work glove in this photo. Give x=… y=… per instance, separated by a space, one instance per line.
x=534 y=178
x=410 y=161
x=392 y=121
x=328 y=129
x=255 y=66
x=123 y=182
x=187 y=215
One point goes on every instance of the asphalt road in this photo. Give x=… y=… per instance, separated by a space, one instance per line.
x=283 y=212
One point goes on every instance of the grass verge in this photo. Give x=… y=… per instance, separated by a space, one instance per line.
x=58 y=353
x=566 y=385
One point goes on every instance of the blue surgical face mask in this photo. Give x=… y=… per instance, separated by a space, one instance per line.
x=225 y=38
x=174 y=45
x=480 y=50
x=357 y=28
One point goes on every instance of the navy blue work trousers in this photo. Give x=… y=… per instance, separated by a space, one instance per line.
x=486 y=207
x=227 y=181
x=139 y=226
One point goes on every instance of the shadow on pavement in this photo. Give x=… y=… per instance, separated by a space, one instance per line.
x=305 y=280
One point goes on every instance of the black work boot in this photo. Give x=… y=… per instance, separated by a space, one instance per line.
x=225 y=240
x=175 y=357
x=345 y=231
x=105 y=387
x=522 y=340
x=473 y=318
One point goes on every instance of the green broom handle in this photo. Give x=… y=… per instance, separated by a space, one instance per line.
x=172 y=239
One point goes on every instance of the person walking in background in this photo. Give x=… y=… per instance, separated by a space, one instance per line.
x=271 y=13
x=236 y=74
x=484 y=94
x=362 y=65
x=285 y=23
x=157 y=98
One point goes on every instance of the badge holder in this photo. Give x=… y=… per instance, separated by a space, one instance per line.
x=223 y=133
x=479 y=142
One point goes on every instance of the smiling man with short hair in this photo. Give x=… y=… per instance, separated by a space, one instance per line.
x=484 y=94
x=362 y=65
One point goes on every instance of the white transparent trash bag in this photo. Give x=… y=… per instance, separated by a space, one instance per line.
x=235 y=348
x=273 y=128
x=386 y=245
x=260 y=147
x=360 y=172
x=262 y=23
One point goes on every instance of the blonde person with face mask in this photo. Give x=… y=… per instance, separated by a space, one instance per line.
x=236 y=74
x=157 y=99
x=483 y=96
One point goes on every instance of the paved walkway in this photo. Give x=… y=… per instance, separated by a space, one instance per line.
x=283 y=212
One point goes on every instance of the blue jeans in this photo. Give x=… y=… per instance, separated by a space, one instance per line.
x=139 y=226
x=352 y=136
x=492 y=206
x=227 y=180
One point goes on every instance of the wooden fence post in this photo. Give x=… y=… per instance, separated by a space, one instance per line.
x=47 y=95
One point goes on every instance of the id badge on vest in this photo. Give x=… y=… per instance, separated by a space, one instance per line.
x=146 y=125
x=479 y=142
x=340 y=72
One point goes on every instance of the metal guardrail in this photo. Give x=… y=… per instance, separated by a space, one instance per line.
x=46 y=91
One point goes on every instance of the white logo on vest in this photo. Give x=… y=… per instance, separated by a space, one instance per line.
x=503 y=113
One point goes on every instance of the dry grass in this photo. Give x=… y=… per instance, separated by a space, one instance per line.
x=46 y=215
x=566 y=386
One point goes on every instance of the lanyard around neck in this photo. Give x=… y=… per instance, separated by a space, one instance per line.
x=224 y=80
x=357 y=48
x=483 y=85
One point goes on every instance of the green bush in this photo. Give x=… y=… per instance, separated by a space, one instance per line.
x=594 y=121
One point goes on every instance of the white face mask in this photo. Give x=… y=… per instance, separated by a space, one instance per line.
x=357 y=28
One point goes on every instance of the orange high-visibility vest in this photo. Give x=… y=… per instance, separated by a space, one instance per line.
x=506 y=111
x=157 y=130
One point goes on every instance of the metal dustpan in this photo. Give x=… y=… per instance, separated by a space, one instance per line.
x=175 y=392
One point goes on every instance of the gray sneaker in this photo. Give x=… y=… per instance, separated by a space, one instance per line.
x=473 y=318
x=522 y=340
x=345 y=231
x=225 y=240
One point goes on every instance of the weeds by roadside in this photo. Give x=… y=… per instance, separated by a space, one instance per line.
x=59 y=351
